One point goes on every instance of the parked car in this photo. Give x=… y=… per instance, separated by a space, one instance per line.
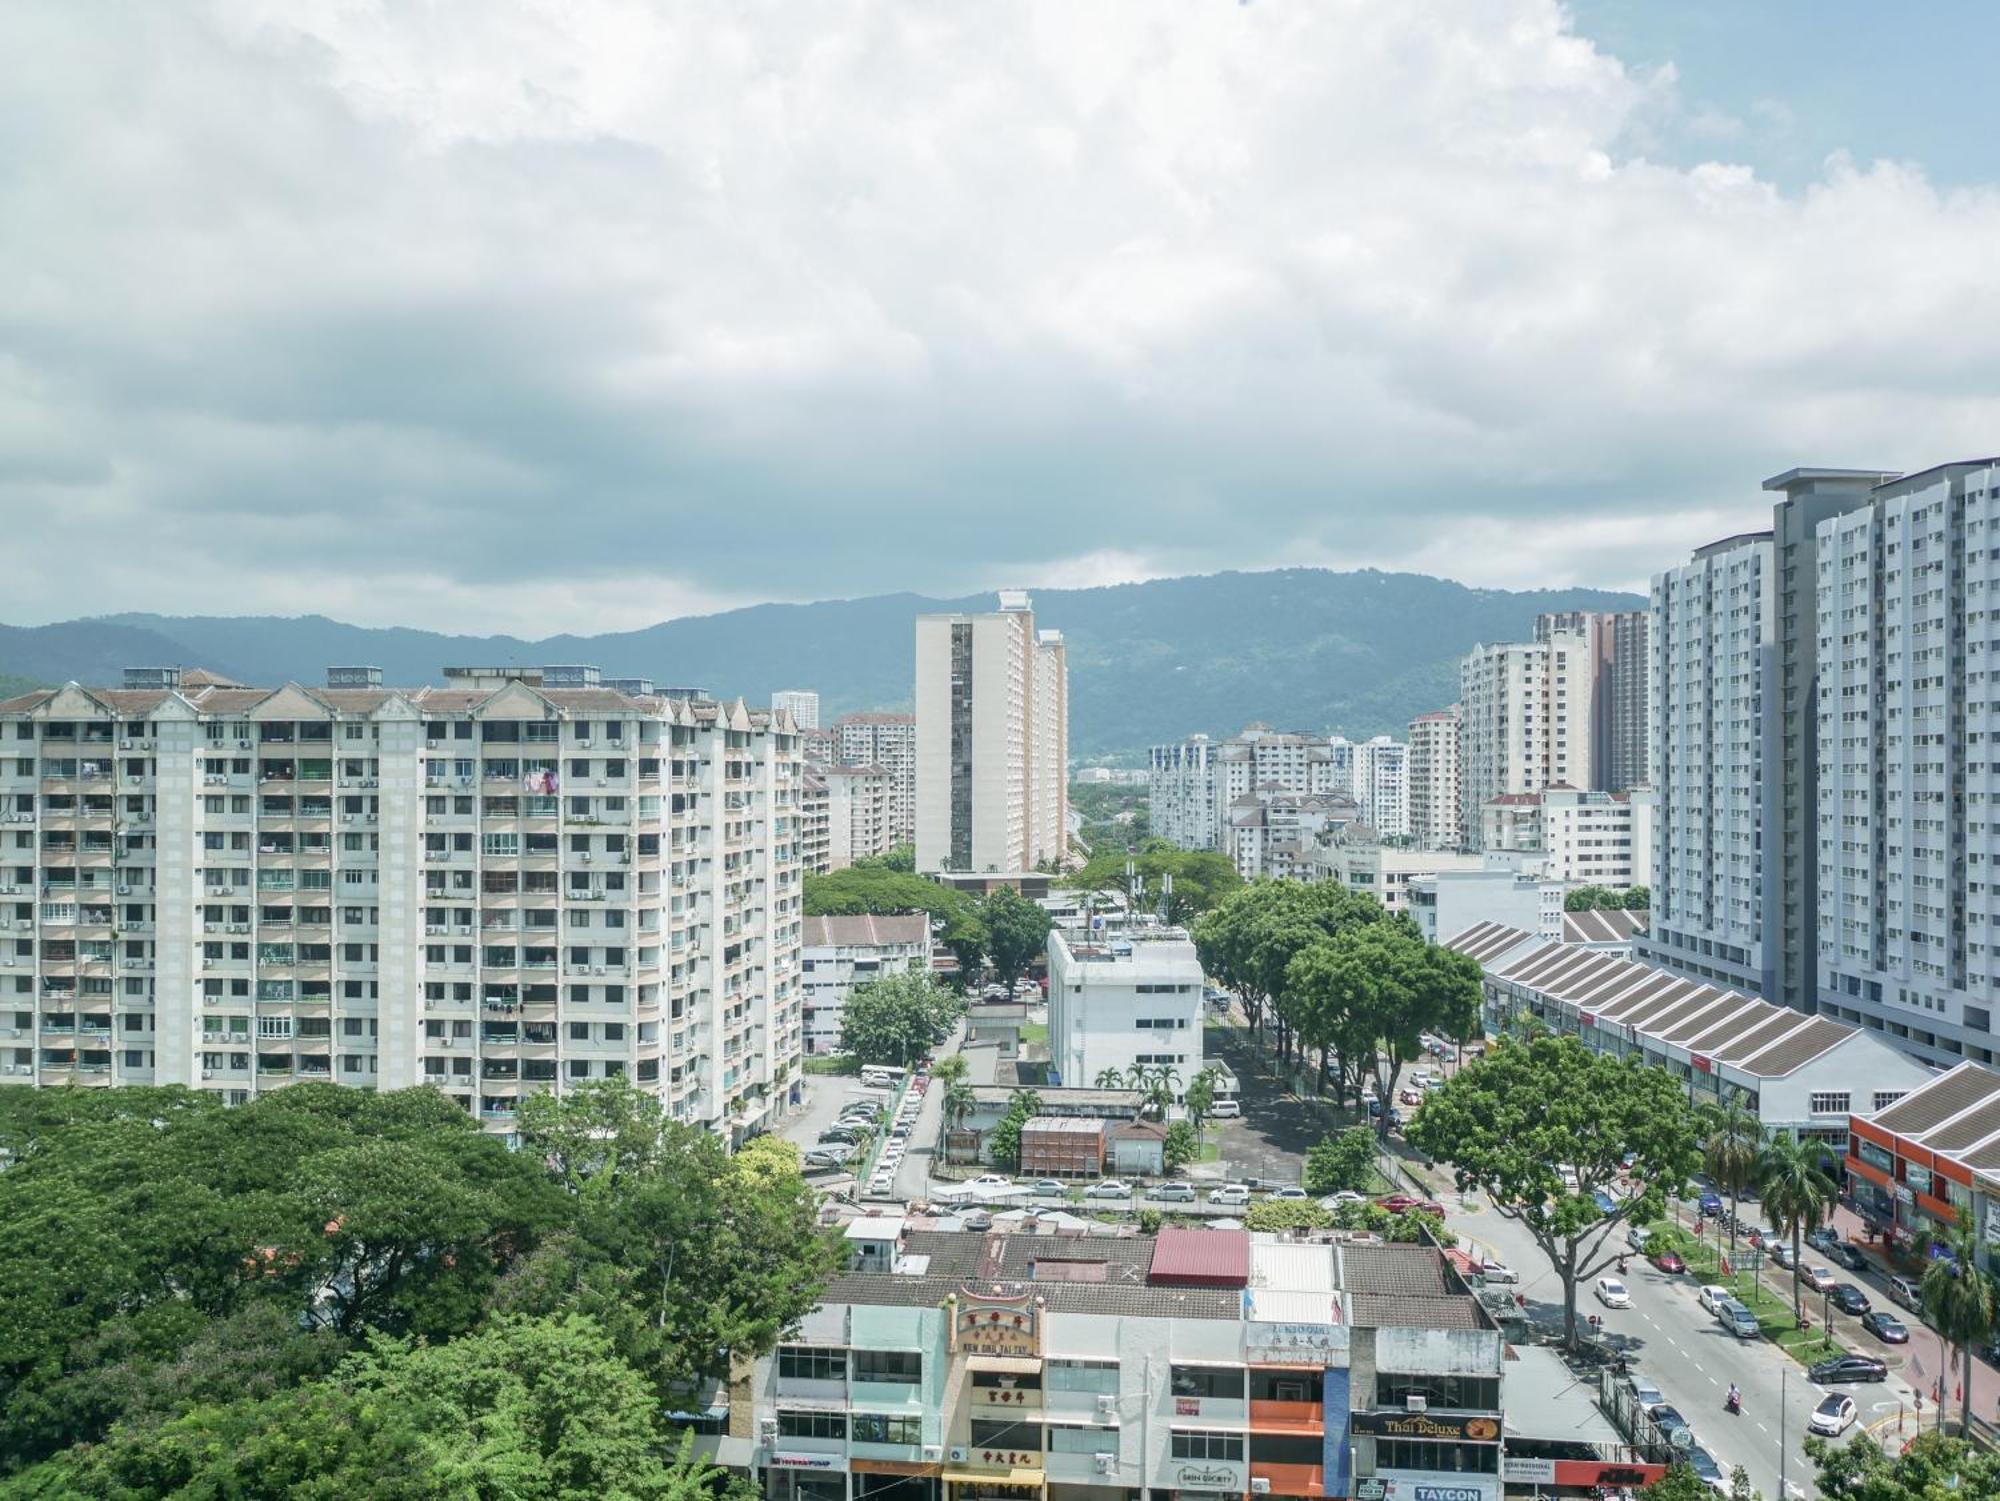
x=1818 y=1278
x=1226 y=1110
x=1834 y=1415
x=1738 y=1319
x=1851 y=1256
x=1109 y=1188
x=845 y=1136
x=1780 y=1252
x=1707 y=1470
x=1710 y=1202
x=1845 y=1368
x=1849 y=1299
x=1644 y=1392
x=1604 y=1202
x=1670 y=1261
x=1173 y=1193
x=991 y=1180
x=1904 y=1290
x=1635 y=1237
x=1498 y=1271
x=1711 y=1296
x=1409 y=1097
x=1047 y=1188
x=1342 y=1199
x=1670 y=1420
x=1823 y=1238
x=1289 y=1191
x=977 y=1219
x=1229 y=1193
x=1612 y=1293
x=1885 y=1326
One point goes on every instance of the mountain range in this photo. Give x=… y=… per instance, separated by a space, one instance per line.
x=1305 y=648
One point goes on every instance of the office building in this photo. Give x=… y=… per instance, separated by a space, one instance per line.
x=517 y=881
x=857 y=813
x=1580 y=838
x=949 y=1365
x=1715 y=767
x=1908 y=700
x=801 y=703
x=1132 y=999
x=1525 y=720
x=839 y=953
x=1437 y=819
x=890 y=742
x=992 y=712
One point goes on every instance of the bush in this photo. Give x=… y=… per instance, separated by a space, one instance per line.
x=1346 y=1161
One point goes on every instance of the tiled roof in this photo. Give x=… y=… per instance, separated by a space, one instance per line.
x=1387 y=1311
x=1944 y=1098
x=1600 y=926
x=1398 y=1270
x=864 y=930
x=1204 y=1258
x=1486 y=940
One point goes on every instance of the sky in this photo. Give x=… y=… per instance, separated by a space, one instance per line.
x=574 y=315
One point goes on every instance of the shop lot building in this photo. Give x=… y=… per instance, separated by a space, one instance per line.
x=1930 y=1163
x=1802 y=1075
x=949 y=1366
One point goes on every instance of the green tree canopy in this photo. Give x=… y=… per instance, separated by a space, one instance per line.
x=1935 y=1467
x=1512 y=1121
x=897 y=1019
x=1005 y=1138
x=1343 y=1161
x=1958 y=1302
x=1017 y=932
x=1202 y=878
x=1251 y=937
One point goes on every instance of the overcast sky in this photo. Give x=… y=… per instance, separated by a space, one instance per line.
x=543 y=315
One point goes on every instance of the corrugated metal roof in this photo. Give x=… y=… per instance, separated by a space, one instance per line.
x=864 y=930
x=1200 y=1258
x=1389 y=1311
x=1301 y=1266
x=1272 y=1305
x=1949 y=1094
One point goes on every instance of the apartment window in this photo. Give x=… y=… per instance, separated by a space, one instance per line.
x=903 y=1366
x=804 y=1363
x=1418 y=1454
x=1829 y=1102
x=1098 y=1376
x=1208 y=1444
x=812 y=1424
x=1067 y=1440
x=879 y=1428
x=994 y=1433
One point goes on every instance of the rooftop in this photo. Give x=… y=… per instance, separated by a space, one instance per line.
x=866 y=931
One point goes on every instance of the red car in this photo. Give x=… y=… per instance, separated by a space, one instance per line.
x=1670 y=1261
x=1403 y=1204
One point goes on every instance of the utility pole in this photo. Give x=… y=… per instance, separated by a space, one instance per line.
x=1783 y=1372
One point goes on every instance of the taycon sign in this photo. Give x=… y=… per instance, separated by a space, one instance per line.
x=1450 y=1426
x=1435 y=1487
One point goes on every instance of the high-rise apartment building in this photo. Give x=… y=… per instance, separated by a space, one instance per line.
x=1437 y=818
x=1615 y=656
x=519 y=881
x=1381 y=785
x=890 y=742
x=1715 y=771
x=1180 y=786
x=992 y=733
x=1525 y=720
x=801 y=703
x=857 y=807
x=1907 y=586
x=815 y=820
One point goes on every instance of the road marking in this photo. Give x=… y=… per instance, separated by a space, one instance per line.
x=1762 y=1429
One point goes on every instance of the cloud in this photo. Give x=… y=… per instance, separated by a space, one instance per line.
x=539 y=316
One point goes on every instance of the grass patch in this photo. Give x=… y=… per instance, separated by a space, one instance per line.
x=1035 y=1032
x=832 y=1063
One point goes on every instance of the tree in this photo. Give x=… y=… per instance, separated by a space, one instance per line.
x=897 y=1019
x=1249 y=941
x=1514 y=1120
x=1201 y=878
x=1017 y=932
x=869 y=887
x=1932 y=1467
x=949 y=1069
x=1344 y=1161
x=1110 y=1077
x=1798 y=1195
x=1958 y=1302
x=1734 y=1137
x=1638 y=898
x=1182 y=1146
x=1200 y=1096
x=1005 y=1139
x=1680 y=1483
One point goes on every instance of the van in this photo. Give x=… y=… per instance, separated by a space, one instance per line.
x=1736 y=1318
x=1226 y=1110
x=1905 y=1290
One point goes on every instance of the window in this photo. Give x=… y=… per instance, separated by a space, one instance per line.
x=904 y=1366
x=1829 y=1102
x=879 y=1428
x=1207 y=1444
x=1419 y=1454
x=812 y=1424
x=1099 y=1376
x=1884 y=1098
x=991 y=1433
x=1207 y=1381
x=1067 y=1440
x=804 y=1363
x=1876 y=1157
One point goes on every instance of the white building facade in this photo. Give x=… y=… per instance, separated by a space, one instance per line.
x=1180 y=785
x=839 y=953
x=890 y=742
x=495 y=887
x=1381 y=785
x=1525 y=720
x=801 y=703
x=1133 y=999
x=992 y=710
x=857 y=813
x=1437 y=816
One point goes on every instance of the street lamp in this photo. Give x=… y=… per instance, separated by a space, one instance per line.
x=1826 y=1317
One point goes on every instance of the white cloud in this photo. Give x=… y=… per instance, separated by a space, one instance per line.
x=528 y=314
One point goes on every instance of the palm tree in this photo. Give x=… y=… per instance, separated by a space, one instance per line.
x=1110 y=1078
x=1168 y=1075
x=1159 y=1095
x=1137 y=1075
x=1798 y=1193
x=1958 y=1300
x=1734 y=1137
x=950 y=1069
x=959 y=1098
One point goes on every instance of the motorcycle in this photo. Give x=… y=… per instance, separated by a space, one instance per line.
x=1733 y=1404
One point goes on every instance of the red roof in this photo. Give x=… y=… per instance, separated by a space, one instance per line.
x=1201 y=1258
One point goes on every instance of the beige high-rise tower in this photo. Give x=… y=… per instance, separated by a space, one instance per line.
x=992 y=702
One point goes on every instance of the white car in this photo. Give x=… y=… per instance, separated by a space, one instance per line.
x=1498 y=1271
x=1612 y=1293
x=1110 y=1188
x=1289 y=1191
x=1834 y=1415
x=1229 y=1193
x=1344 y=1197
x=1711 y=1296
x=991 y=1180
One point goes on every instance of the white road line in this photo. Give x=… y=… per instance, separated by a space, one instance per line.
x=1762 y=1429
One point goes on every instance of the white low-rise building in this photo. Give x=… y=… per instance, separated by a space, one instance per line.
x=1132 y=999
x=1585 y=838
x=1384 y=871
x=839 y=953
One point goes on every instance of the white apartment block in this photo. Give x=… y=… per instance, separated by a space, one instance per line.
x=839 y=953
x=1271 y=834
x=1581 y=838
x=1437 y=817
x=503 y=885
x=1525 y=720
x=1180 y=785
x=1908 y=638
x=992 y=712
x=1716 y=736
x=801 y=703
x=1384 y=871
x=1381 y=786
x=857 y=813
x=890 y=742
x=815 y=821
x=1131 y=999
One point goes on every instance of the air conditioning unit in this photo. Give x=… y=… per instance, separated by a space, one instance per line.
x=958 y=1454
x=585 y=857
x=1259 y=1486
x=436 y=927
x=124 y=745
x=1106 y=1462
x=465 y=930
x=208 y=1073
x=767 y=1429
x=1416 y=1403
x=1107 y=1408
x=124 y=890
x=208 y=964
x=603 y=782
x=368 y=818
x=933 y=1452
x=444 y=1042
x=583 y=741
x=597 y=969
x=347 y=818
x=246 y=744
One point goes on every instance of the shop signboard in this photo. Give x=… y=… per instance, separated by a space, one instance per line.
x=1208 y=1475
x=792 y=1460
x=1004 y=1327
x=1529 y=1471
x=1993 y=1222
x=1445 y=1427
x=1432 y=1485
x=1294 y=1344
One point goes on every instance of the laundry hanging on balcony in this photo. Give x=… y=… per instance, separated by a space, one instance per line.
x=546 y=783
